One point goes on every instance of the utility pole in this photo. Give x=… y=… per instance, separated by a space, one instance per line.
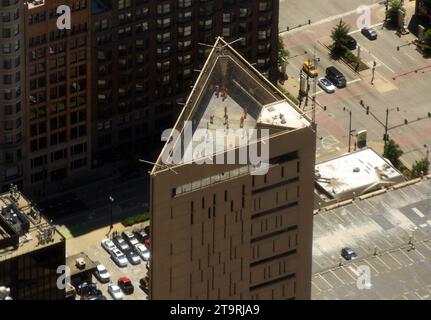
x=111 y=201
x=350 y=128
x=386 y=126
x=373 y=72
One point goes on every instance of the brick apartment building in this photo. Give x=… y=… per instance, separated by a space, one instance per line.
x=104 y=90
x=146 y=56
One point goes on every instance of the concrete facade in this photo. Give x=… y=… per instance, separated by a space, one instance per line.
x=227 y=234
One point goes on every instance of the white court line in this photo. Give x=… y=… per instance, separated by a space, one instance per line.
x=418 y=212
x=429 y=222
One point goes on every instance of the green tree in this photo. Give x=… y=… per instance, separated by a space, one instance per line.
x=339 y=35
x=420 y=168
x=392 y=13
x=427 y=40
x=283 y=53
x=393 y=152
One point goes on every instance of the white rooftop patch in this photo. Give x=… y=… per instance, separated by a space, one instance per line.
x=282 y=114
x=355 y=174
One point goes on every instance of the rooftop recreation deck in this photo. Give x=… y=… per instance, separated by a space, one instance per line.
x=229 y=95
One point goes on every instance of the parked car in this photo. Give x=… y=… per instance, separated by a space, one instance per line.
x=119 y=258
x=351 y=43
x=128 y=236
x=121 y=244
x=147 y=243
x=370 y=33
x=101 y=273
x=115 y=292
x=326 y=85
x=97 y=297
x=141 y=235
x=126 y=285
x=134 y=242
x=144 y=283
x=348 y=254
x=133 y=257
x=310 y=68
x=147 y=230
x=108 y=245
x=85 y=288
x=143 y=252
x=336 y=77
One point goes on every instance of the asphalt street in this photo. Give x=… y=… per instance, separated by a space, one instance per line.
x=401 y=84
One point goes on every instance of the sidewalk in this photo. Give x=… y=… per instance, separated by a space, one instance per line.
x=82 y=243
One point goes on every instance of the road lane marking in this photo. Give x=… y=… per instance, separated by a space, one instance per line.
x=330 y=19
x=398 y=61
x=418 y=212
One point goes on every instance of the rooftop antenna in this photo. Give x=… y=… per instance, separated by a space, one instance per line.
x=220 y=47
x=159 y=165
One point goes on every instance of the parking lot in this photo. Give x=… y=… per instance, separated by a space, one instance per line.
x=391 y=234
x=399 y=274
x=134 y=272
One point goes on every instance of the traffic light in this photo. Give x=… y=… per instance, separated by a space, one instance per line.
x=398 y=48
x=385 y=137
x=406 y=121
x=429 y=114
x=368 y=109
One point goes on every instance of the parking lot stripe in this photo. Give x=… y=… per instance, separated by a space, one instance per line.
x=384 y=263
x=317 y=287
x=407 y=256
x=420 y=253
x=326 y=281
x=339 y=279
x=418 y=212
x=367 y=262
x=395 y=259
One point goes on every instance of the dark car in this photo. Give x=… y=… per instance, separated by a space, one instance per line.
x=348 y=254
x=133 y=257
x=141 y=235
x=147 y=230
x=86 y=288
x=351 y=43
x=370 y=33
x=336 y=77
x=126 y=285
x=144 y=283
x=121 y=244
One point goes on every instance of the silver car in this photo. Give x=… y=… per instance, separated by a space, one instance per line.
x=108 y=245
x=119 y=258
x=326 y=85
x=115 y=292
x=143 y=252
x=101 y=273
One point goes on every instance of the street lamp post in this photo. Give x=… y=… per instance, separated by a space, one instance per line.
x=111 y=201
x=350 y=126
